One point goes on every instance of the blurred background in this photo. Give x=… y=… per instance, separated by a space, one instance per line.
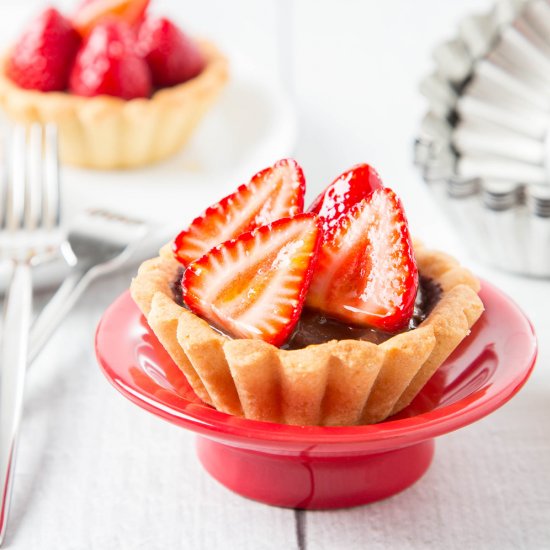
x=350 y=68
x=345 y=77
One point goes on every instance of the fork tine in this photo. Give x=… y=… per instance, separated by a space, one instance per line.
x=51 y=179
x=15 y=199
x=33 y=199
x=32 y=192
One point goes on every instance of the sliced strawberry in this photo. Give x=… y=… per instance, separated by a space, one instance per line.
x=42 y=57
x=345 y=191
x=92 y=12
x=276 y=192
x=172 y=56
x=107 y=64
x=366 y=273
x=255 y=286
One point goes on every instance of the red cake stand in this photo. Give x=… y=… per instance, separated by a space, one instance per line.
x=324 y=467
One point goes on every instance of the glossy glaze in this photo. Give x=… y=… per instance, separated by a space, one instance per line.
x=314 y=327
x=484 y=372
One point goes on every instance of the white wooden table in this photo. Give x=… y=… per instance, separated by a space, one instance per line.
x=96 y=472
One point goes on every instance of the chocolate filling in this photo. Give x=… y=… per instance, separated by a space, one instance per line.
x=315 y=328
x=175 y=287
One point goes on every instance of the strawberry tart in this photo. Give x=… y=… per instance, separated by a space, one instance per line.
x=125 y=88
x=327 y=316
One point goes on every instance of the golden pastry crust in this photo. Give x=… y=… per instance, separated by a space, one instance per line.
x=110 y=133
x=337 y=383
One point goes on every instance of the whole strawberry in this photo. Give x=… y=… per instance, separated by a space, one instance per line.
x=43 y=55
x=172 y=56
x=108 y=64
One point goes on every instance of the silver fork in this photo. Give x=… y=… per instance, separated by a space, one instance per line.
x=98 y=243
x=29 y=220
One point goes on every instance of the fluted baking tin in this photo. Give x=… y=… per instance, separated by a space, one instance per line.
x=484 y=145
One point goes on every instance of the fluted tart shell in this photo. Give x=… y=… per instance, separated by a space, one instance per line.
x=345 y=382
x=105 y=132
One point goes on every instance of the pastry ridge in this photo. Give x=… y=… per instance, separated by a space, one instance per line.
x=404 y=356
x=204 y=348
x=111 y=133
x=163 y=318
x=451 y=321
x=344 y=382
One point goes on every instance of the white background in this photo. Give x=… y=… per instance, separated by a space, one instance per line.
x=94 y=471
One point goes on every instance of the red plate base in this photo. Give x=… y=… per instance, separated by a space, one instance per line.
x=313 y=483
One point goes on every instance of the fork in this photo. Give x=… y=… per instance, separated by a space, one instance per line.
x=99 y=242
x=29 y=220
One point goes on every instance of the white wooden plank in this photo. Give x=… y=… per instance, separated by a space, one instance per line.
x=487 y=488
x=95 y=471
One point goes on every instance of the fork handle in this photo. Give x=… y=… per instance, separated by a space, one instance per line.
x=15 y=337
x=57 y=309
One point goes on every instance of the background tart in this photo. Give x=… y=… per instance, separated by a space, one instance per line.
x=343 y=382
x=108 y=132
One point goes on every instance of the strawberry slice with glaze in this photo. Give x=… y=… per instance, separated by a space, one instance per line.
x=366 y=273
x=255 y=286
x=354 y=185
x=274 y=193
x=92 y=12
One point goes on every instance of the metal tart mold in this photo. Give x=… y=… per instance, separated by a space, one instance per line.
x=483 y=146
